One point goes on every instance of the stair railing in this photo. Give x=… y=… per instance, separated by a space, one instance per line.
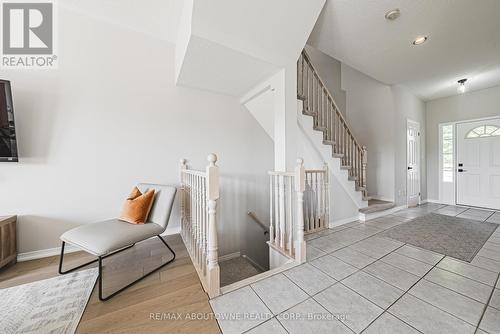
x=286 y=228
x=199 y=195
x=258 y=222
x=319 y=103
x=316 y=200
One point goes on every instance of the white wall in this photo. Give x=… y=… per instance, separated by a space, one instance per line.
x=330 y=71
x=478 y=104
x=110 y=117
x=371 y=114
x=377 y=114
x=342 y=207
x=408 y=107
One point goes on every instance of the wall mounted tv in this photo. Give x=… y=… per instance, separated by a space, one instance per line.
x=8 y=145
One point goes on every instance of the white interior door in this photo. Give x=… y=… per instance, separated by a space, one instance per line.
x=413 y=163
x=478 y=163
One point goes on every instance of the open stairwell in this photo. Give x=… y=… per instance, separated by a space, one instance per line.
x=323 y=123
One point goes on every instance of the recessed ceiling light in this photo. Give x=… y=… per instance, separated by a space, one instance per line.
x=420 y=40
x=461 y=85
x=393 y=14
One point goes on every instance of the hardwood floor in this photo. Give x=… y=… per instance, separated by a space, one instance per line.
x=150 y=306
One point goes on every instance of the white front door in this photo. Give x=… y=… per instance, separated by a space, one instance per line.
x=478 y=163
x=413 y=163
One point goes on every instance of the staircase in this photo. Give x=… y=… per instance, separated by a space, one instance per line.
x=318 y=103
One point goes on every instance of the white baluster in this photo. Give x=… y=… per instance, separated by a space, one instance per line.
x=289 y=222
x=307 y=204
x=316 y=200
x=327 y=196
x=200 y=219
x=319 y=178
x=310 y=199
x=276 y=211
x=204 y=224
x=192 y=215
x=282 y=218
x=182 y=170
x=271 y=217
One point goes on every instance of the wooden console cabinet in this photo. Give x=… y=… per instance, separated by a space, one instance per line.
x=8 y=246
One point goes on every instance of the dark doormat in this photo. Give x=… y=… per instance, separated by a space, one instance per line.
x=456 y=237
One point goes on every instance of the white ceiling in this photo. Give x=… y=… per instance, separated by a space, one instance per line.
x=274 y=31
x=157 y=18
x=464 y=42
x=234 y=45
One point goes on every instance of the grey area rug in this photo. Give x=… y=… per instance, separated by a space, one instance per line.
x=456 y=237
x=53 y=305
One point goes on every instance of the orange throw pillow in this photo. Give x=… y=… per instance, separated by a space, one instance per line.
x=137 y=206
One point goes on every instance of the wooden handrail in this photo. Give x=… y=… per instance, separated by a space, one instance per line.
x=258 y=221
x=320 y=104
x=315 y=171
x=323 y=86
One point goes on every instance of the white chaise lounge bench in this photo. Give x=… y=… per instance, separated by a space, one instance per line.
x=107 y=238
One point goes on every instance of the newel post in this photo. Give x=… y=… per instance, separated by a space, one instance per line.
x=365 y=162
x=213 y=278
x=300 y=184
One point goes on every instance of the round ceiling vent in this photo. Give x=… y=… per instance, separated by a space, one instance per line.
x=393 y=14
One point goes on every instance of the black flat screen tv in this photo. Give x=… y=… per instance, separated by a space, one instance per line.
x=8 y=144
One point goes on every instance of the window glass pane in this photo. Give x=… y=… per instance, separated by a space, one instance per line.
x=447 y=176
x=484 y=131
x=490 y=129
x=447 y=147
x=448 y=160
x=448 y=131
x=447 y=163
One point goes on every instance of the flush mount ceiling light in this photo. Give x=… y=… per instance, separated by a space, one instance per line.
x=420 y=40
x=393 y=14
x=461 y=85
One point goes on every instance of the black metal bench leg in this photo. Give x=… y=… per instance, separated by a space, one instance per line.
x=102 y=298
x=85 y=264
x=72 y=269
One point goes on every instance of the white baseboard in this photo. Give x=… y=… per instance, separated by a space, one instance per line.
x=39 y=254
x=229 y=256
x=364 y=217
x=382 y=198
x=436 y=201
x=27 y=256
x=339 y=222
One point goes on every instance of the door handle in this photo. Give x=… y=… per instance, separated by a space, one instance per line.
x=410 y=168
x=460 y=170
